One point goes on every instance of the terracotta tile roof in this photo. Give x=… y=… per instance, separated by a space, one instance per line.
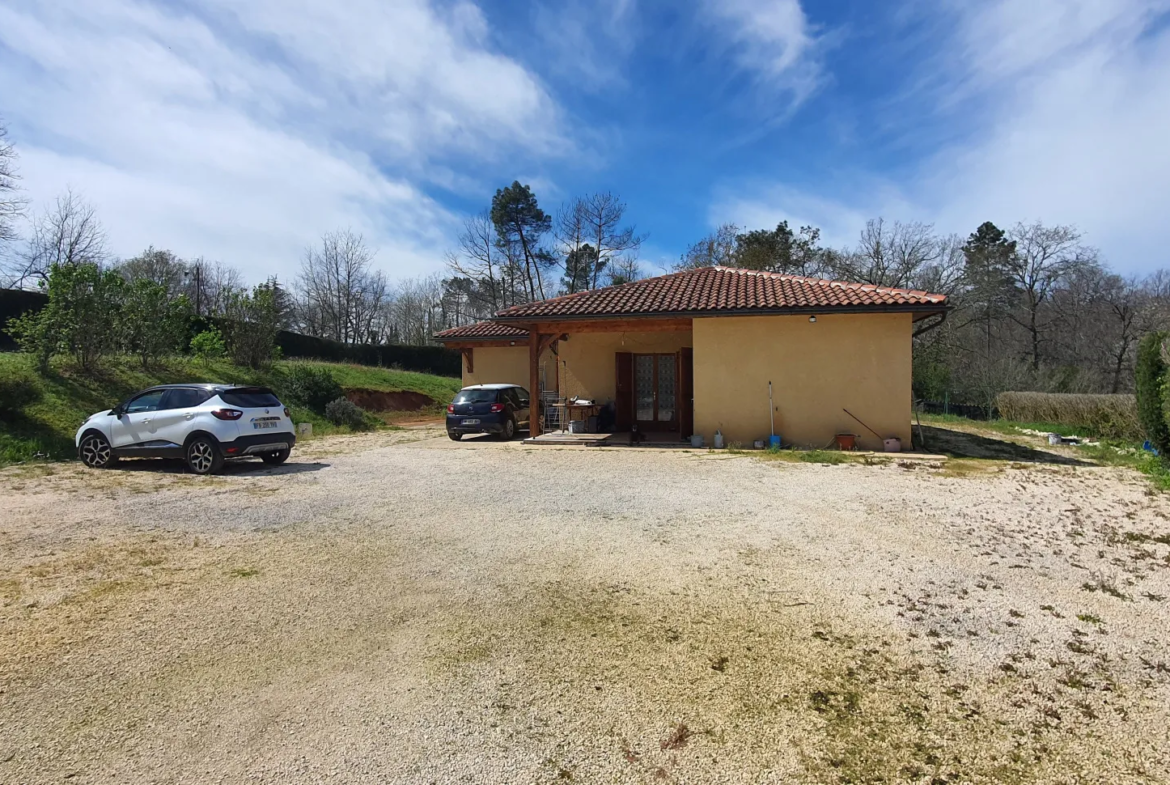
x=725 y=290
x=483 y=331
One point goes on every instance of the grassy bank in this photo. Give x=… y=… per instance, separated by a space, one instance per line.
x=43 y=428
x=1105 y=452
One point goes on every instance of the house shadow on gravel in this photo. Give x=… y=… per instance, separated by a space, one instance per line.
x=961 y=444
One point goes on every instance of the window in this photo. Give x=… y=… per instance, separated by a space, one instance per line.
x=184 y=398
x=475 y=396
x=147 y=402
x=250 y=397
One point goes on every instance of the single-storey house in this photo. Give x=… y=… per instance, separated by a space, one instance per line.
x=694 y=352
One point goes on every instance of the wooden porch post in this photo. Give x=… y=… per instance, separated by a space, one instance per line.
x=534 y=381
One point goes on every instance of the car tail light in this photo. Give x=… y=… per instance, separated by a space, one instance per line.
x=450 y=408
x=497 y=408
x=287 y=413
x=228 y=414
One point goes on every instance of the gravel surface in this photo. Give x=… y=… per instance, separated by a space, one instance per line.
x=399 y=607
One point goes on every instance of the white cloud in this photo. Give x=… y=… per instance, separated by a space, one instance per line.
x=587 y=41
x=773 y=39
x=244 y=139
x=1065 y=127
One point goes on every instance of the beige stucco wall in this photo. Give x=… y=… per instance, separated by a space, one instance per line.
x=857 y=362
x=498 y=365
x=506 y=365
x=589 y=366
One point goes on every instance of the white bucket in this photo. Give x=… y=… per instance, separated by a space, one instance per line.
x=893 y=444
x=696 y=440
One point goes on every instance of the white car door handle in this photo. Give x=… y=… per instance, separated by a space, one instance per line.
x=190 y=417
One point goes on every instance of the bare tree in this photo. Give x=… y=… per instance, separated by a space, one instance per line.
x=602 y=214
x=1044 y=254
x=480 y=259
x=624 y=270
x=571 y=228
x=417 y=310
x=11 y=206
x=68 y=233
x=208 y=285
x=339 y=296
x=158 y=266
x=890 y=254
x=717 y=248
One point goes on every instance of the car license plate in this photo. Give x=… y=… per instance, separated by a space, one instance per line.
x=471 y=422
x=262 y=423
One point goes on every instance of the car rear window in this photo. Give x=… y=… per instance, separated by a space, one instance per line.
x=249 y=397
x=185 y=398
x=475 y=396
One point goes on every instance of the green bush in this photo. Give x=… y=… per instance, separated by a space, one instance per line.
x=16 y=392
x=345 y=412
x=80 y=318
x=208 y=345
x=310 y=386
x=1149 y=381
x=1107 y=416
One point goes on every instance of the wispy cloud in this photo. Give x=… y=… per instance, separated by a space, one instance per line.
x=773 y=40
x=585 y=42
x=1058 y=112
x=244 y=131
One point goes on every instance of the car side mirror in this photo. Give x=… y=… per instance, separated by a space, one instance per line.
x=524 y=402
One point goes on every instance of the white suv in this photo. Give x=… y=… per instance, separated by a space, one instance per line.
x=204 y=424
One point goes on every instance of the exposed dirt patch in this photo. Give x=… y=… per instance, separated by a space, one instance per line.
x=379 y=401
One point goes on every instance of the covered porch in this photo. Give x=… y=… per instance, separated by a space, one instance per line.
x=637 y=374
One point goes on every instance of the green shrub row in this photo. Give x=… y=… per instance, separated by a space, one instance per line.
x=1106 y=416
x=1150 y=380
x=435 y=360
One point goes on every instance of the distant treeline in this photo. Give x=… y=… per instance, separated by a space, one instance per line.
x=423 y=359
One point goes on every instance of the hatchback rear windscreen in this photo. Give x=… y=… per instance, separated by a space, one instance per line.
x=475 y=396
x=249 y=397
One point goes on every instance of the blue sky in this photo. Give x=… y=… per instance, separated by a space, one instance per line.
x=243 y=131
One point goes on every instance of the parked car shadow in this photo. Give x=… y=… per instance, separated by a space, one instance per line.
x=231 y=468
x=970 y=445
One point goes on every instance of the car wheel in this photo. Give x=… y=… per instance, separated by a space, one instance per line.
x=95 y=451
x=276 y=458
x=203 y=456
x=509 y=429
x=454 y=436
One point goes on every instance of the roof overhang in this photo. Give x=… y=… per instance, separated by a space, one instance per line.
x=919 y=311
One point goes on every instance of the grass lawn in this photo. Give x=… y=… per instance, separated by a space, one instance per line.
x=1106 y=452
x=44 y=428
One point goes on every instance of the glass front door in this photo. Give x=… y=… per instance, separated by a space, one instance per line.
x=655 y=391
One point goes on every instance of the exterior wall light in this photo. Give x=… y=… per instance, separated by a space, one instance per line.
x=812 y=319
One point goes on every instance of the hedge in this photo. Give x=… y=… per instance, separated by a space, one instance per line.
x=1107 y=416
x=1149 y=381
x=424 y=359
x=13 y=303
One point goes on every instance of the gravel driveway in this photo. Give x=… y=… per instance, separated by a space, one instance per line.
x=398 y=607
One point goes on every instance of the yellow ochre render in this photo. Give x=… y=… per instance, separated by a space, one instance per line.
x=498 y=365
x=589 y=360
x=842 y=361
x=859 y=362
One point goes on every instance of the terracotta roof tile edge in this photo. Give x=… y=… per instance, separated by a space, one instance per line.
x=865 y=287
